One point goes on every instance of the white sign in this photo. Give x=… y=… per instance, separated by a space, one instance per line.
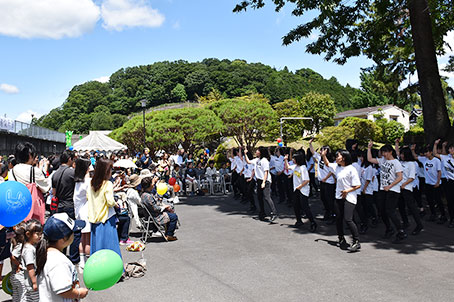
x=6 y=124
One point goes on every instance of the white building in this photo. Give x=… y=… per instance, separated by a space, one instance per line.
x=389 y=112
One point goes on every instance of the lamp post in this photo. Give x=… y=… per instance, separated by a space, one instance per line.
x=144 y=104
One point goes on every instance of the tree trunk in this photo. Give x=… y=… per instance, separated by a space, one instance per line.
x=436 y=120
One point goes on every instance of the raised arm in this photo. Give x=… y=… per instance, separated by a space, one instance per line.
x=325 y=160
x=397 y=147
x=370 y=158
x=413 y=152
x=435 y=149
x=311 y=147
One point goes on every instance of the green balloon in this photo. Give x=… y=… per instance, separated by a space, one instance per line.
x=102 y=270
x=6 y=284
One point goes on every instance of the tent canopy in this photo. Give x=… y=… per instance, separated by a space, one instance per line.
x=97 y=141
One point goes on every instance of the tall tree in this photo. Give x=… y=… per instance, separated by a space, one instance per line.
x=405 y=36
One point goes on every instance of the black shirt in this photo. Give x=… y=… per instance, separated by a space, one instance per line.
x=65 y=191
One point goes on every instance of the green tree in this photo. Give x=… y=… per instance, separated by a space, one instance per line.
x=402 y=36
x=363 y=129
x=101 y=119
x=248 y=120
x=320 y=107
x=291 y=129
x=335 y=136
x=179 y=93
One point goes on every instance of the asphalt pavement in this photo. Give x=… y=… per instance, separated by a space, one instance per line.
x=225 y=253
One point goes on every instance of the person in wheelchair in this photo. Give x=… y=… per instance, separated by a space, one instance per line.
x=163 y=213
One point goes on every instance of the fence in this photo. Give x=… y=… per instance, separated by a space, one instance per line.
x=25 y=129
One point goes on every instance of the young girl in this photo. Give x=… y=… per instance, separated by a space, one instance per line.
x=390 y=178
x=57 y=276
x=82 y=182
x=17 y=274
x=347 y=183
x=262 y=173
x=301 y=189
x=33 y=231
x=447 y=160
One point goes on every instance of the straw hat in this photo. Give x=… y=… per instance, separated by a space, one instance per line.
x=134 y=180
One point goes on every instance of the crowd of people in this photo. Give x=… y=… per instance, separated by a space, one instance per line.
x=85 y=204
x=359 y=188
x=82 y=205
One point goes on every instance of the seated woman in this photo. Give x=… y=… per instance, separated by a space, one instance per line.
x=163 y=214
x=192 y=185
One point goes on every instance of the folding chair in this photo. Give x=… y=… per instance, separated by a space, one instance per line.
x=227 y=183
x=218 y=186
x=149 y=224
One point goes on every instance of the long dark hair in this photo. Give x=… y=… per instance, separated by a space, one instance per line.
x=82 y=165
x=408 y=155
x=102 y=173
x=264 y=153
x=41 y=251
x=346 y=156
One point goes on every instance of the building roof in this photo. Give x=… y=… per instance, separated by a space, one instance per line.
x=364 y=111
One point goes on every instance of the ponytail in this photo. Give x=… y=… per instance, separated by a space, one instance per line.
x=41 y=254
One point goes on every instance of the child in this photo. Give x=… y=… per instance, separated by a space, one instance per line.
x=301 y=189
x=33 y=231
x=17 y=274
x=57 y=276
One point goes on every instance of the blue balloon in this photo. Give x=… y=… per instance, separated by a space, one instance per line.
x=71 y=148
x=281 y=144
x=207 y=151
x=15 y=203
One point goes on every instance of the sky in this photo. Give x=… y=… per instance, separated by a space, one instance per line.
x=49 y=46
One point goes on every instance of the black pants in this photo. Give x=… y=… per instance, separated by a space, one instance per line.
x=313 y=183
x=344 y=211
x=123 y=227
x=235 y=183
x=369 y=202
x=74 y=255
x=327 y=193
x=434 y=198
x=410 y=203
x=289 y=189
x=280 y=183
x=360 y=209
x=273 y=184
x=265 y=195
x=242 y=186
x=249 y=192
x=422 y=190
x=301 y=201
x=450 y=198
x=387 y=206
x=417 y=194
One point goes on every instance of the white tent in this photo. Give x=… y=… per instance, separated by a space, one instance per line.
x=97 y=141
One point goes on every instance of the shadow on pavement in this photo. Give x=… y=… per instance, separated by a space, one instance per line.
x=434 y=237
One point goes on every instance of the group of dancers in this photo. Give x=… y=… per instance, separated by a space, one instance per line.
x=358 y=188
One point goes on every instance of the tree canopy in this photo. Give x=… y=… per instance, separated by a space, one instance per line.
x=169 y=82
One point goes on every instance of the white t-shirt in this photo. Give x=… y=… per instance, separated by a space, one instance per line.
x=347 y=177
x=409 y=171
x=388 y=173
x=261 y=166
x=248 y=168
x=370 y=175
x=279 y=164
x=448 y=164
x=300 y=175
x=238 y=164
x=431 y=168
x=59 y=275
x=323 y=170
x=359 y=169
x=310 y=163
x=273 y=164
x=80 y=196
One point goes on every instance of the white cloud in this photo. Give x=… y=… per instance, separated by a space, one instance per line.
x=103 y=79
x=26 y=117
x=53 y=19
x=120 y=14
x=7 y=88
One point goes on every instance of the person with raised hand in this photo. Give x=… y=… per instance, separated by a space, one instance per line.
x=390 y=178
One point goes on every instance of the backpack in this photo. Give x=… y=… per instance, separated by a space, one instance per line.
x=38 y=202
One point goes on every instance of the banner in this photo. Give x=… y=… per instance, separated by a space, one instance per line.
x=6 y=124
x=69 y=135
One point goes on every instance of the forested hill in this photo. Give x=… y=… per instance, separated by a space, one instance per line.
x=98 y=106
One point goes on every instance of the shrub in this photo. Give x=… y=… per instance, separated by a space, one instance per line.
x=363 y=129
x=335 y=136
x=414 y=136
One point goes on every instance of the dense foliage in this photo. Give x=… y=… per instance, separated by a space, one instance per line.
x=169 y=82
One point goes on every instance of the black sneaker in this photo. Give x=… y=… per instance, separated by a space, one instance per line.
x=273 y=217
x=417 y=230
x=298 y=224
x=400 y=237
x=313 y=227
x=355 y=247
x=343 y=244
x=388 y=234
